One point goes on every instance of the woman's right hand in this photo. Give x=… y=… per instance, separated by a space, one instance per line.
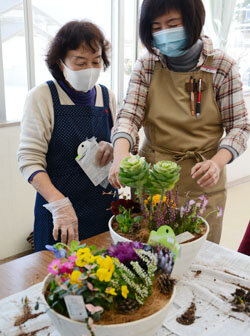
x=115 y=168
x=64 y=220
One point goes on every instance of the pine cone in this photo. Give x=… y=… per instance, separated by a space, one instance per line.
x=165 y=284
x=128 y=306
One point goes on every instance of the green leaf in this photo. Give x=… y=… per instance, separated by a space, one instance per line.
x=120 y=219
x=74 y=245
x=137 y=219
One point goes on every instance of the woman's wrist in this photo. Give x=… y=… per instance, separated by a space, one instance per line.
x=222 y=157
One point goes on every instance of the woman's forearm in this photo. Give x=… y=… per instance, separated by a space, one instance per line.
x=121 y=147
x=43 y=185
x=222 y=157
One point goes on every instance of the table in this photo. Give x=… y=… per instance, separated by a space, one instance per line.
x=213 y=276
x=33 y=268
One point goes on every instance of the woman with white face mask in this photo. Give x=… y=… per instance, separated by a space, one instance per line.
x=58 y=116
x=185 y=94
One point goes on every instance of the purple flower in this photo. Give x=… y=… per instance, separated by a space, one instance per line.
x=204 y=203
x=124 y=251
x=219 y=212
x=58 y=252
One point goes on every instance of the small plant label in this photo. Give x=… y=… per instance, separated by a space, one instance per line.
x=76 y=307
x=184 y=236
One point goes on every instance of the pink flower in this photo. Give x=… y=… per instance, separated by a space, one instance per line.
x=91 y=287
x=93 y=309
x=54 y=266
x=73 y=257
x=67 y=267
x=219 y=212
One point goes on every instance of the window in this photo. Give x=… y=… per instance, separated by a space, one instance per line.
x=239 y=41
x=26 y=28
x=13 y=77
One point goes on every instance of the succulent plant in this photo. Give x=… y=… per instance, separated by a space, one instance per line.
x=164 y=175
x=134 y=171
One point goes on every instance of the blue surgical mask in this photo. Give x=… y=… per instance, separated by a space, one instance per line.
x=171 y=41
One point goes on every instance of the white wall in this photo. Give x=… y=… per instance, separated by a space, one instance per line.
x=16 y=197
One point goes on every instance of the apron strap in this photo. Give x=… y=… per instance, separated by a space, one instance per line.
x=105 y=95
x=54 y=93
x=209 y=61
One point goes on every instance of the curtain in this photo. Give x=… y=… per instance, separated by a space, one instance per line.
x=219 y=15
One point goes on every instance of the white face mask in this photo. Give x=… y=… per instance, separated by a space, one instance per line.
x=82 y=80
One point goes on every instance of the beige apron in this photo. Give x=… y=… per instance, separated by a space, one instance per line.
x=172 y=133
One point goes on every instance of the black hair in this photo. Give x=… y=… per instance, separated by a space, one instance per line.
x=193 y=17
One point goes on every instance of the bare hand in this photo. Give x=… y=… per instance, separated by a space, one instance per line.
x=114 y=171
x=210 y=172
x=104 y=154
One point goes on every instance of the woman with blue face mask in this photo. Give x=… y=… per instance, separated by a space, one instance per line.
x=58 y=116
x=185 y=94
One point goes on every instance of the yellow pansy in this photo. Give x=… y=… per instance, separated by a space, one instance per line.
x=80 y=262
x=125 y=291
x=82 y=251
x=103 y=274
x=108 y=264
x=110 y=290
x=99 y=259
x=74 y=278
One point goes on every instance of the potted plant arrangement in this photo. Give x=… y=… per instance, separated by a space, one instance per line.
x=157 y=211
x=124 y=290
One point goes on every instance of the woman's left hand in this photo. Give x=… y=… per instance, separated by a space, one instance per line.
x=104 y=154
x=210 y=172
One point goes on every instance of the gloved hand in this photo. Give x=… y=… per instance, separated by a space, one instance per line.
x=64 y=219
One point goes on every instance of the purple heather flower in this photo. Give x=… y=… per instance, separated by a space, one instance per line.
x=124 y=251
x=204 y=202
x=58 y=253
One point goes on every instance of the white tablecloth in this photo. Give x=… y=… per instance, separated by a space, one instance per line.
x=222 y=270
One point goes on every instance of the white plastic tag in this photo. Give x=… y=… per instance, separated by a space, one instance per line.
x=182 y=237
x=76 y=307
x=208 y=69
x=86 y=159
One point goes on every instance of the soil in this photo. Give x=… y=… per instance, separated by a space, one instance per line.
x=154 y=303
x=241 y=301
x=188 y=317
x=33 y=333
x=26 y=315
x=142 y=233
x=197 y=273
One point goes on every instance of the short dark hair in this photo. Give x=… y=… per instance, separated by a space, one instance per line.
x=70 y=37
x=193 y=16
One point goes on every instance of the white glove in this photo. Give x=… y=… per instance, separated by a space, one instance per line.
x=64 y=219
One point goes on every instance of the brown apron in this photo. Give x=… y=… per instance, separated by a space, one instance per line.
x=172 y=133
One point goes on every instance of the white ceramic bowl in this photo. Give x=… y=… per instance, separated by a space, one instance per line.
x=187 y=253
x=147 y=326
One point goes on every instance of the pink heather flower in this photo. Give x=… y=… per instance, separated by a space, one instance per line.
x=54 y=266
x=67 y=267
x=219 y=212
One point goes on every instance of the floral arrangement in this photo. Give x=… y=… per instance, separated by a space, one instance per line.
x=119 y=279
x=157 y=205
